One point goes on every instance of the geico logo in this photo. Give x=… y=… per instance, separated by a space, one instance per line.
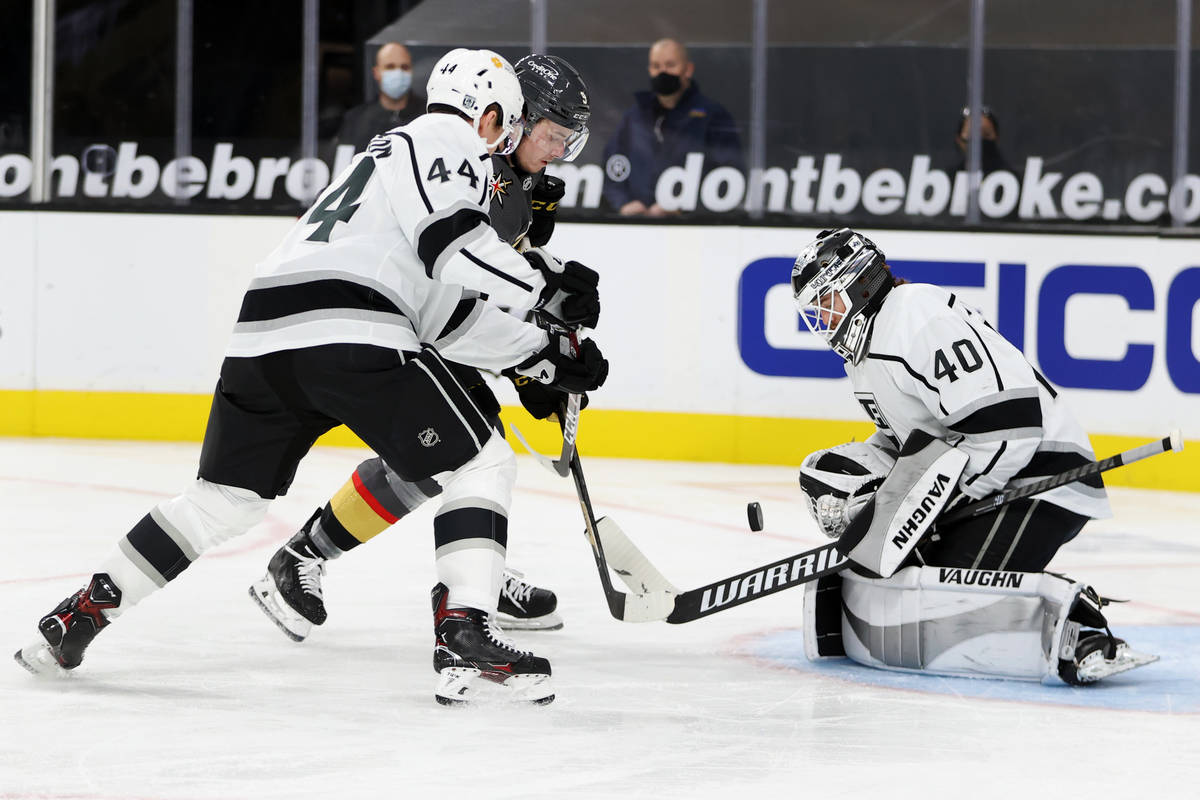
x=1056 y=315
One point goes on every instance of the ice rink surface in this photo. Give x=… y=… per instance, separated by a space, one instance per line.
x=195 y=694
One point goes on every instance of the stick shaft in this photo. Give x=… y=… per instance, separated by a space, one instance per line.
x=993 y=502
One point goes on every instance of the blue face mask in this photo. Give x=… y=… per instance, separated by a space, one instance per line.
x=395 y=83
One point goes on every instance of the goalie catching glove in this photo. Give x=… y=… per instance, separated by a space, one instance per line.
x=571 y=298
x=564 y=364
x=838 y=482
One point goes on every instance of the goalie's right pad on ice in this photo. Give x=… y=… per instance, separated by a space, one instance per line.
x=839 y=481
x=1034 y=626
x=903 y=509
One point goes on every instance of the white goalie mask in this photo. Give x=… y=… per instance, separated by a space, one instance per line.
x=839 y=281
x=471 y=80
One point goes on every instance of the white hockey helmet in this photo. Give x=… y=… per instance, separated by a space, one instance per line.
x=471 y=80
x=839 y=281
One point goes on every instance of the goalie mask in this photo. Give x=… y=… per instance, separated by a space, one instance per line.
x=468 y=81
x=839 y=281
x=555 y=91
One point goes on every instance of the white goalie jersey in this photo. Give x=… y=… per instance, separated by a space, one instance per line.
x=397 y=252
x=935 y=364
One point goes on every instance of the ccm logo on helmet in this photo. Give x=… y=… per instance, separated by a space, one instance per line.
x=765 y=303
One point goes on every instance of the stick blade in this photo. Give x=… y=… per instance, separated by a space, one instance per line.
x=1176 y=439
x=630 y=564
x=644 y=607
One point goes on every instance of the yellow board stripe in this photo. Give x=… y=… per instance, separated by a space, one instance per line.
x=603 y=432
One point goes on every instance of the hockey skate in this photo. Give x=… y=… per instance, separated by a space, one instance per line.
x=473 y=662
x=67 y=631
x=525 y=607
x=1087 y=654
x=290 y=592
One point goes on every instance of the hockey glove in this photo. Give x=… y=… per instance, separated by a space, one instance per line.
x=565 y=366
x=571 y=297
x=540 y=400
x=546 y=195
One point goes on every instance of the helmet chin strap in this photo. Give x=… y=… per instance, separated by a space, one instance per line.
x=513 y=135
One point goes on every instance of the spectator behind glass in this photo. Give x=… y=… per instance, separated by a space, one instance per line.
x=991 y=160
x=665 y=124
x=397 y=103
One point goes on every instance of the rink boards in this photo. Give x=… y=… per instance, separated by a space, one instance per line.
x=113 y=326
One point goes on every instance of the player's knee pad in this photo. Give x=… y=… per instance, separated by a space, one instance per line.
x=210 y=513
x=489 y=476
x=951 y=621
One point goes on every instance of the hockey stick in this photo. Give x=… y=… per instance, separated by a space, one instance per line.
x=1173 y=442
x=820 y=561
x=637 y=607
x=569 y=420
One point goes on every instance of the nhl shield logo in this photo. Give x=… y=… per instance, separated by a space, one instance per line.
x=428 y=437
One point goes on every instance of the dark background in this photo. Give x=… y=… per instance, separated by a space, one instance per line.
x=1088 y=85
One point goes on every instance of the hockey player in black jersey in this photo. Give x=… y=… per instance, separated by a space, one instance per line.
x=357 y=317
x=523 y=204
x=959 y=413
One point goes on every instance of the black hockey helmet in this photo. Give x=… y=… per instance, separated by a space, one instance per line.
x=554 y=90
x=841 y=267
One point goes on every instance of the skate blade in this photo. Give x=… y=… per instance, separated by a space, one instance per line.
x=266 y=597
x=39 y=659
x=1126 y=659
x=461 y=686
x=546 y=622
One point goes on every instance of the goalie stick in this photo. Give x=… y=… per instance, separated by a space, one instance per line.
x=812 y=564
x=1173 y=442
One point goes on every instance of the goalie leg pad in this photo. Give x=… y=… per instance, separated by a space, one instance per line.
x=823 y=618
x=961 y=622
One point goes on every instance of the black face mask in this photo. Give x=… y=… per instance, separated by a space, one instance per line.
x=664 y=83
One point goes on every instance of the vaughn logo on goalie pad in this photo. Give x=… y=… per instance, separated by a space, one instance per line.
x=981 y=577
x=922 y=511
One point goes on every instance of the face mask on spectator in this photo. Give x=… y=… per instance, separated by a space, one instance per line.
x=664 y=83
x=395 y=83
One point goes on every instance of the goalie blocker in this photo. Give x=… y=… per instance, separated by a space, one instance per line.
x=891 y=524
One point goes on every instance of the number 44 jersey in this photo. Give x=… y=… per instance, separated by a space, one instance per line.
x=396 y=252
x=935 y=364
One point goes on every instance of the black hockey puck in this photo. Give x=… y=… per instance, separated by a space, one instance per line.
x=754 y=516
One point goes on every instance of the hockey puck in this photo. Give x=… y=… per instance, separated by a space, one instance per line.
x=754 y=516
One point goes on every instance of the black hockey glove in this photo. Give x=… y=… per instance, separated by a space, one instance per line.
x=541 y=400
x=572 y=295
x=546 y=194
x=565 y=366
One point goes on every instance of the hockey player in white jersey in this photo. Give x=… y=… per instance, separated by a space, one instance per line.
x=960 y=414
x=352 y=319
x=522 y=209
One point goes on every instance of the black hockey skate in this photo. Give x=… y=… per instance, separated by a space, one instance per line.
x=1095 y=654
x=525 y=607
x=69 y=628
x=471 y=659
x=290 y=592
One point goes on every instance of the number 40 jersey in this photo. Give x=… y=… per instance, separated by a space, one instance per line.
x=397 y=252
x=935 y=364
